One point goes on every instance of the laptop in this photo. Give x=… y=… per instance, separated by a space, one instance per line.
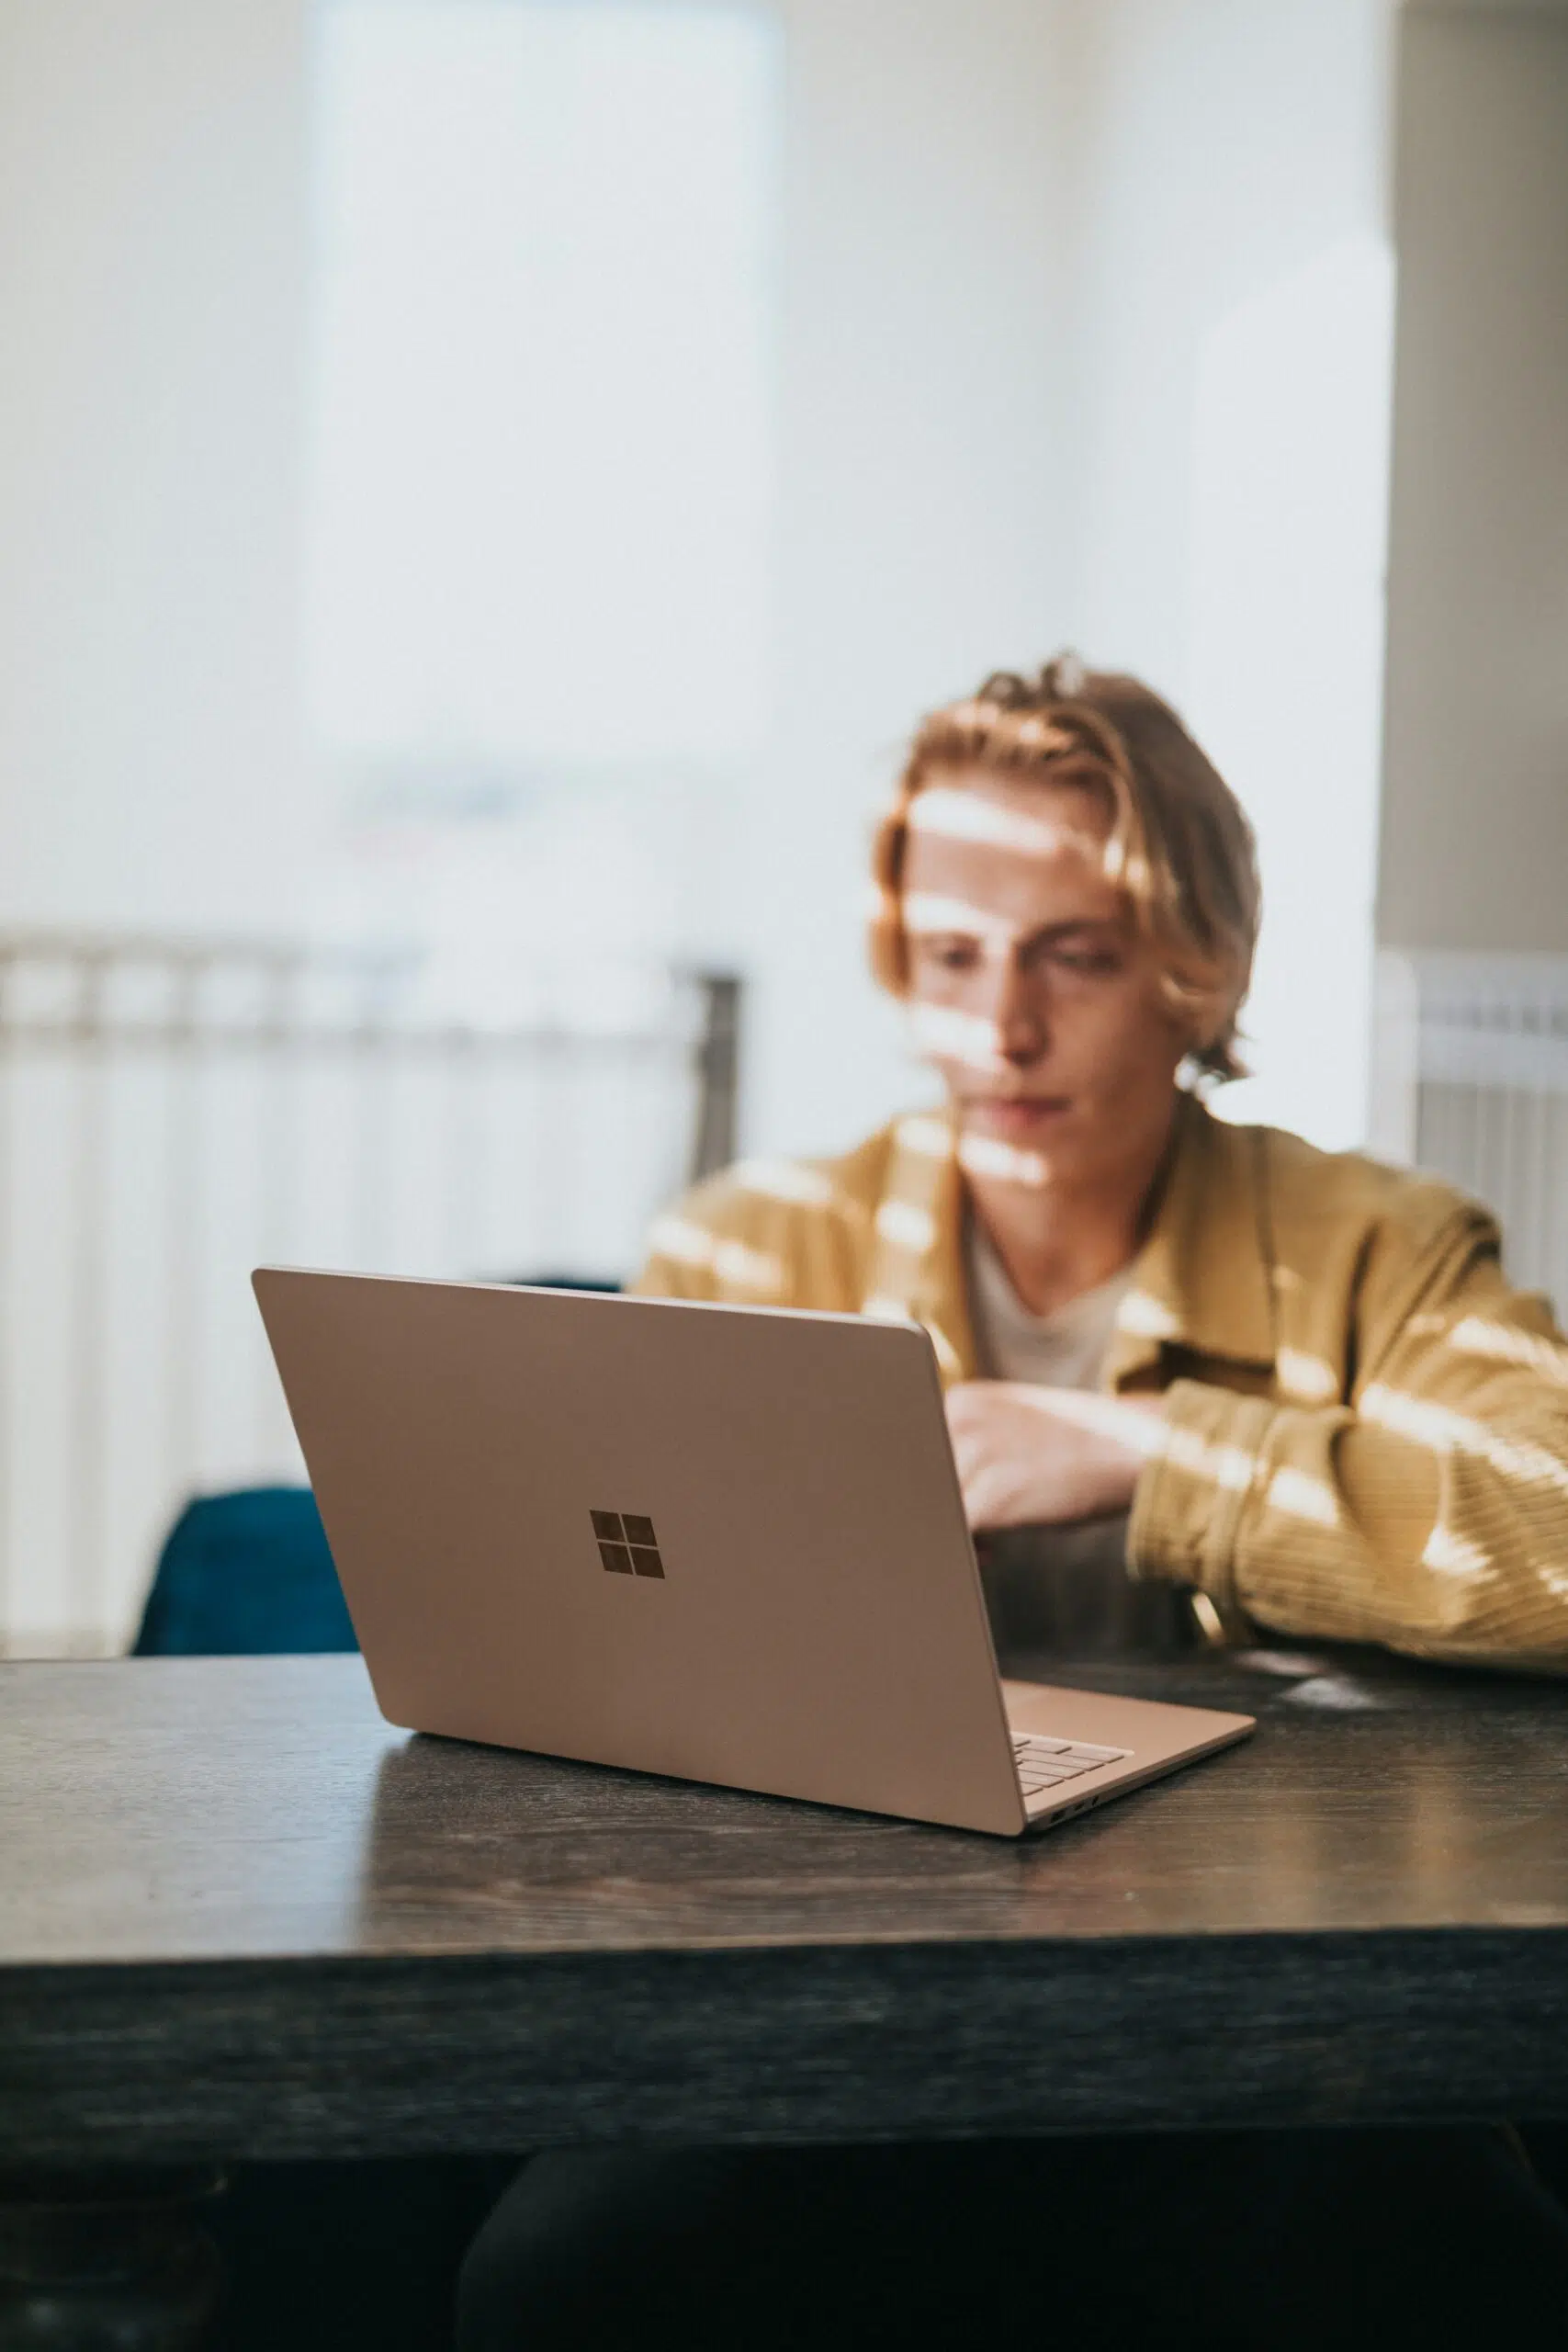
x=720 y=1543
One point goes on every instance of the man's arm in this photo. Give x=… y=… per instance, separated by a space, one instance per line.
x=1430 y=1513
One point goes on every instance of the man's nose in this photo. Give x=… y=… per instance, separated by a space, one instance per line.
x=1017 y=1014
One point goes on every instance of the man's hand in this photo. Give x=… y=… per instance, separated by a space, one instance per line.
x=1032 y=1457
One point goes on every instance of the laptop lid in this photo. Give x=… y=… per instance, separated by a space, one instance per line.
x=721 y=1543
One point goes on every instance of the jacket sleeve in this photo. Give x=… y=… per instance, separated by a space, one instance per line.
x=742 y=1238
x=1430 y=1512
x=703 y=1249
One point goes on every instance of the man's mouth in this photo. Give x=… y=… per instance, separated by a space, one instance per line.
x=1016 y=1115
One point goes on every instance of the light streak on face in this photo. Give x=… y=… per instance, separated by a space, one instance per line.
x=927 y=915
x=1032 y=989
x=943 y=1034
x=1027 y=827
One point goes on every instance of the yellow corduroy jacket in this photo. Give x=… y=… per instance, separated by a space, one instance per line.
x=1366 y=1431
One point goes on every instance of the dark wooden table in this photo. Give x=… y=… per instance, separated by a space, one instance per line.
x=241 y=1917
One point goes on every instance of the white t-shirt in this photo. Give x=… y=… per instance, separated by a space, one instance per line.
x=1062 y=1590
x=1062 y=1350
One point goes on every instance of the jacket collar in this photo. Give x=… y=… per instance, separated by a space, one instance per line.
x=916 y=1270
x=1201 y=1282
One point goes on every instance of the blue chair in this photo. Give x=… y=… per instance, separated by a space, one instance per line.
x=246 y=1575
x=249 y=1574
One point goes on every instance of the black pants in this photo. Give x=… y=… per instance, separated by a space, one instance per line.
x=1222 y=2240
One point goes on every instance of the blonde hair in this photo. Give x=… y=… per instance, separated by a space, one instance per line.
x=1177 y=843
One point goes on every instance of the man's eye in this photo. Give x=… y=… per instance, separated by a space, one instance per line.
x=950 y=954
x=1097 y=963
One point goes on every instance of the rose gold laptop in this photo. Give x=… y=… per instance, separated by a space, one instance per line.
x=723 y=1543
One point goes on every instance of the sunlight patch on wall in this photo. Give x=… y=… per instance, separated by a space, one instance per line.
x=539 y=530
x=542 y=401
x=1288 y=536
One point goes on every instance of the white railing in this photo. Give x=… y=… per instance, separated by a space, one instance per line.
x=1471 y=1080
x=171 y=1115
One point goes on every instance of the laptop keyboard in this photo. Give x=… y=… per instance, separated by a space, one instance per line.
x=1045 y=1763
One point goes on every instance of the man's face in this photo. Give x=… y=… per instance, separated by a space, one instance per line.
x=1031 y=987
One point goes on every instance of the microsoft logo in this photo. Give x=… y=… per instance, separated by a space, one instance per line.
x=628 y=1545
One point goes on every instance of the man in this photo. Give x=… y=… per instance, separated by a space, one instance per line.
x=1246 y=1388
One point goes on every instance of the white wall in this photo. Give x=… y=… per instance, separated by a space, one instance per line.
x=1225 y=458
x=1039 y=261
x=1475 y=820
x=152 y=271
x=153 y=274
x=1087 y=338
x=919 y=542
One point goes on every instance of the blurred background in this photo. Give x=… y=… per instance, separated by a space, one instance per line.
x=486 y=488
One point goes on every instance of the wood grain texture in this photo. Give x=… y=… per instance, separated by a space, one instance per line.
x=240 y=1916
